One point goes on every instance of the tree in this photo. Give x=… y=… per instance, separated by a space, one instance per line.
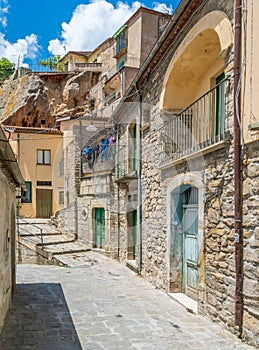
x=6 y=69
x=52 y=63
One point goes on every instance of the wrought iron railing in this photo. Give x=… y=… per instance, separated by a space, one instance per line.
x=198 y=126
x=121 y=166
x=39 y=235
x=125 y=162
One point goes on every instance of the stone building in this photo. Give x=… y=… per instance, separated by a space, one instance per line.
x=40 y=157
x=10 y=180
x=89 y=187
x=187 y=164
x=178 y=201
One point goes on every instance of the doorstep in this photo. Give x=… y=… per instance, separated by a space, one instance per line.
x=189 y=303
x=132 y=264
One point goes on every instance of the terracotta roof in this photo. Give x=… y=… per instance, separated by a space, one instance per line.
x=27 y=129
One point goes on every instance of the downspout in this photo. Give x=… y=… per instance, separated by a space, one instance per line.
x=237 y=171
x=139 y=199
x=117 y=192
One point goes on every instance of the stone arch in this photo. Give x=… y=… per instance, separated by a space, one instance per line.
x=203 y=48
x=178 y=181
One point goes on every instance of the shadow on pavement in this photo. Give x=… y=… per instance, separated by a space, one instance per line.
x=39 y=320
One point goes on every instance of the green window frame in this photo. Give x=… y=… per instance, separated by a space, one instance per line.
x=26 y=196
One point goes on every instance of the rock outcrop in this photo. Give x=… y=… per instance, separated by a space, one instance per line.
x=37 y=99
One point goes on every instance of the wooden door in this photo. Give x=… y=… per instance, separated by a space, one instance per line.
x=43 y=203
x=99 y=227
x=190 y=250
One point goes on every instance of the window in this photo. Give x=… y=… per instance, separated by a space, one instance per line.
x=132 y=148
x=120 y=42
x=26 y=195
x=43 y=156
x=61 y=197
x=44 y=183
x=61 y=167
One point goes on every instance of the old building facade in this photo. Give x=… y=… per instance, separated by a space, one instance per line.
x=39 y=154
x=10 y=180
x=178 y=199
x=177 y=166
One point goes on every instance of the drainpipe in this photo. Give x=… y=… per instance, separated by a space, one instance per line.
x=117 y=193
x=237 y=171
x=139 y=201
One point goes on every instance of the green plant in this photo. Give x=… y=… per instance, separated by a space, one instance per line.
x=52 y=63
x=6 y=69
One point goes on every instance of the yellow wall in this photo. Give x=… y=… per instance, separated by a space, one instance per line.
x=197 y=61
x=250 y=93
x=25 y=146
x=134 y=43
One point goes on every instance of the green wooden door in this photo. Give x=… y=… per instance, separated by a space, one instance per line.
x=134 y=231
x=43 y=203
x=99 y=227
x=190 y=244
x=132 y=235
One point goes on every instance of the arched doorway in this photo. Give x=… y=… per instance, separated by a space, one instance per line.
x=185 y=235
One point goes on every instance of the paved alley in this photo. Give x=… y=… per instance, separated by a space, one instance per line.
x=99 y=304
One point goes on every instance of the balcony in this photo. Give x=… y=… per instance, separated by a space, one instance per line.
x=125 y=168
x=197 y=128
x=91 y=67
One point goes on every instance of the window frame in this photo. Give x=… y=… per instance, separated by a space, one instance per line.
x=27 y=194
x=44 y=162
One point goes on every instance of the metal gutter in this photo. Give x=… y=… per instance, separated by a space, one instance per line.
x=237 y=170
x=139 y=194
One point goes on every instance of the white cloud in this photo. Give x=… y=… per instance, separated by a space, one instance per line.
x=162 y=7
x=4 y=7
x=91 y=24
x=23 y=48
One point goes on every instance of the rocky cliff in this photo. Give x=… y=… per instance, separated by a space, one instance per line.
x=37 y=99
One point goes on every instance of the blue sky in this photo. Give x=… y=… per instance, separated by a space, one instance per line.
x=31 y=30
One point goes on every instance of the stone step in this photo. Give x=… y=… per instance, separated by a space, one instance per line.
x=65 y=248
x=61 y=239
x=26 y=229
x=33 y=221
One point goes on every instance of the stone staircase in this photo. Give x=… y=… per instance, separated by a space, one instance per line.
x=40 y=242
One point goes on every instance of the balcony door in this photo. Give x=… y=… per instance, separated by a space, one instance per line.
x=220 y=105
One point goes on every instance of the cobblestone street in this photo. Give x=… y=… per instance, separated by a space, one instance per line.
x=99 y=304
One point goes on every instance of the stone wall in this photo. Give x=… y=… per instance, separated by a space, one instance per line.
x=251 y=243
x=214 y=171
x=7 y=242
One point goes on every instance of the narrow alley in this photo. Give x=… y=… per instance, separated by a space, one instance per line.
x=97 y=303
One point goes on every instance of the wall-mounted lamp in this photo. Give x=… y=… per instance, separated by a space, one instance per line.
x=91 y=128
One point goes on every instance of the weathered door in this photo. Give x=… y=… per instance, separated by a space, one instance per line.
x=43 y=203
x=132 y=235
x=99 y=227
x=190 y=246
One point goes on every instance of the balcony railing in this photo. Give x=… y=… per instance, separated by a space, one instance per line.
x=200 y=125
x=125 y=163
x=91 y=66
